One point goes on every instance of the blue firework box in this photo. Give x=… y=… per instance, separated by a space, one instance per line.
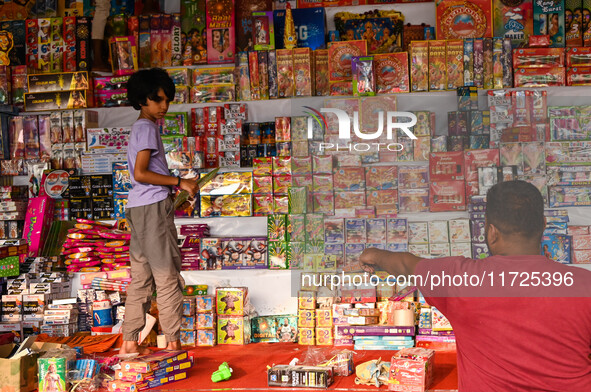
x=310 y=26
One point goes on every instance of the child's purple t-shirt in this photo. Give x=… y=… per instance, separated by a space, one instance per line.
x=145 y=136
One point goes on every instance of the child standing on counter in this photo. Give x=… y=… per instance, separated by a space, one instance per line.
x=154 y=252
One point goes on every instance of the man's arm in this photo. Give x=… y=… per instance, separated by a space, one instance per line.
x=142 y=174
x=399 y=263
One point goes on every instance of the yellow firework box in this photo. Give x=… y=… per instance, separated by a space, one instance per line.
x=455 y=63
x=437 y=66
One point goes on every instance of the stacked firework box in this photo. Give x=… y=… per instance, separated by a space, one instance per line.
x=150 y=371
x=233 y=323
x=94 y=246
x=60 y=318
x=191 y=245
x=206 y=320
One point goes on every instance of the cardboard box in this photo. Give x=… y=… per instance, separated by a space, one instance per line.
x=21 y=374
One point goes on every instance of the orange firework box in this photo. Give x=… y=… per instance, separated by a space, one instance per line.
x=339 y=58
x=455 y=64
x=302 y=71
x=391 y=71
x=321 y=72
x=419 y=65
x=437 y=66
x=285 y=72
x=459 y=19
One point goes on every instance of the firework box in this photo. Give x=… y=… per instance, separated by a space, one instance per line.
x=65 y=81
x=263 y=32
x=437 y=65
x=411 y=369
x=49 y=101
x=302 y=69
x=107 y=140
x=321 y=72
x=300 y=376
x=391 y=71
x=447 y=196
x=419 y=65
x=459 y=19
x=285 y=74
x=220 y=31
x=154 y=361
x=455 y=64
x=549 y=20
x=123 y=54
x=339 y=58
x=37 y=223
x=233 y=330
x=310 y=27
x=16 y=28
x=444 y=166
x=193 y=24
x=513 y=20
x=557 y=247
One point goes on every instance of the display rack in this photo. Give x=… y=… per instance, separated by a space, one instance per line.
x=275 y=291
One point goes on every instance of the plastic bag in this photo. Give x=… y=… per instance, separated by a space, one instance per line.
x=375 y=372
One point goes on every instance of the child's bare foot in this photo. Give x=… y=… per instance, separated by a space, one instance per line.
x=176 y=345
x=129 y=347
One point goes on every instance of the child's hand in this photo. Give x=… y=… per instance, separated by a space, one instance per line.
x=189 y=185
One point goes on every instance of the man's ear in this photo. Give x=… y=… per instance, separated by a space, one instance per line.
x=492 y=234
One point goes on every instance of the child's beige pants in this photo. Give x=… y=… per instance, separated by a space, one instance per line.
x=155 y=264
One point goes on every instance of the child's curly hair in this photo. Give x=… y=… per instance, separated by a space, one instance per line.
x=145 y=84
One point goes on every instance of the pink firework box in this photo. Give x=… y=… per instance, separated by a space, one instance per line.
x=479 y=158
x=221 y=43
x=578 y=230
x=581 y=242
x=37 y=222
x=582 y=256
x=391 y=71
x=411 y=370
x=447 y=196
x=444 y=166
x=339 y=58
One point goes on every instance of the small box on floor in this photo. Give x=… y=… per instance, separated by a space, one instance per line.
x=154 y=361
x=300 y=376
x=411 y=369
